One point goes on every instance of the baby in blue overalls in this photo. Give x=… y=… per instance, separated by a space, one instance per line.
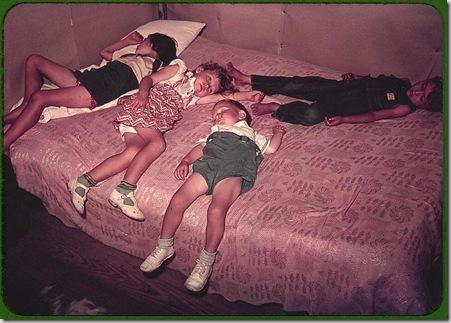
x=225 y=166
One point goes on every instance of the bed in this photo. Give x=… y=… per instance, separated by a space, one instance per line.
x=342 y=220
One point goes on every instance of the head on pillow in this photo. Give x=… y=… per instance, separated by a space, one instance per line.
x=165 y=47
x=225 y=80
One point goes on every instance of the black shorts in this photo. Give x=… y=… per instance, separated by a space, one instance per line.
x=108 y=82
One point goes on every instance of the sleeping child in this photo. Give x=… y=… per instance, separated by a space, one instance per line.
x=224 y=166
x=89 y=88
x=355 y=99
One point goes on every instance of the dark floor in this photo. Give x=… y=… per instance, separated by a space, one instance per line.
x=40 y=251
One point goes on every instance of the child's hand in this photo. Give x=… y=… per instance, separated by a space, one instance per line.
x=182 y=170
x=134 y=38
x=134 y=101
x=123 y=99
x=138 y=101
x=279 y=129
x=347 y=76
x=256 y=96
x=333 y=121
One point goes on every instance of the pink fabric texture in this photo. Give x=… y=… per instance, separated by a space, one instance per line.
x=162 y=109
x=341 y=220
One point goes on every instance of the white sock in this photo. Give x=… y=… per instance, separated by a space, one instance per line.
x=207 y=258
x=165 y=243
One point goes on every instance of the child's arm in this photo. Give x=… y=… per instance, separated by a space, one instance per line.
x=132 y=39
x=276 y=139
x=254 y=96
x=149 y=80
x=396 y=112
x=182 y=169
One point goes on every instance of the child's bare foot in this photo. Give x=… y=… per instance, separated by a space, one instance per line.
x=259 y=109
x=238 y=77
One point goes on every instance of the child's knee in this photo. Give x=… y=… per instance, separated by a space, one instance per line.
x=312 y=117
x=38 y=99
x=301 y=113
x=159 y=145
x=131 y=151
x=216 y=211
x=33 y=60
x=178 y=203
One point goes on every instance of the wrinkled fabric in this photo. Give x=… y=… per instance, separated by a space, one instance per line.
x=341 y=220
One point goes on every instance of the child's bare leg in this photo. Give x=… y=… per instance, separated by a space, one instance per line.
x=239 y=77
x=224 y=194
x=75 y=97
x=36 y=68
x=154 y=147
x=123 y=195
x=193 y=187
x=117 y=163
x=259 y=109
x=79 y=187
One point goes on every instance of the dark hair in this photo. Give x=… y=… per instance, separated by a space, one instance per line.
x=239 y=106
x=225 y=80
x=165 y=46
x=435 y=96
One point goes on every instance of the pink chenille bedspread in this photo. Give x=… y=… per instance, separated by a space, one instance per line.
x=342 y=220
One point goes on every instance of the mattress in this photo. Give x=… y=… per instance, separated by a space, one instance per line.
x=341 y=220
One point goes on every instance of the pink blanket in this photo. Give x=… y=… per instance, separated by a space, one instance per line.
x=342 y=220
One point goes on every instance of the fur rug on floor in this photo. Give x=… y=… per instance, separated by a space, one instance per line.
x=56 y=302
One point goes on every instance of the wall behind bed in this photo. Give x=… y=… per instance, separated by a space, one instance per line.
x=399 y=39
x=70 y=34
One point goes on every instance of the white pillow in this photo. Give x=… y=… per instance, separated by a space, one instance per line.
x=184 y=32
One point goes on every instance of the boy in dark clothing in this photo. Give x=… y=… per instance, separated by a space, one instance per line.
x=354 y=99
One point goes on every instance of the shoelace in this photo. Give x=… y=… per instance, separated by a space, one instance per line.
x=156 y=252
x=200 y=268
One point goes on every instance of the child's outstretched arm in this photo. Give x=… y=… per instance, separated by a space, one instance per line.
x=132 y=39
x=182 y=169
x=276 y=139
x=253 y=96
x=149 y=80
x=396 y=112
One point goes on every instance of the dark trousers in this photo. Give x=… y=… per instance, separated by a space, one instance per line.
x=330 y=97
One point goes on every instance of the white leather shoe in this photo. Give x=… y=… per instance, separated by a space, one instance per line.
x=76 y=191
x=127 y=203
x=199 y=276
x=156 y=258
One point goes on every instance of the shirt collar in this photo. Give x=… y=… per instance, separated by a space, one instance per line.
x=239 y=124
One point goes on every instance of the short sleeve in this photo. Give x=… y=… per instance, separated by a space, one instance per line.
x=202 y=141
x=127 y=50
x=262 y=142
x=180 y=72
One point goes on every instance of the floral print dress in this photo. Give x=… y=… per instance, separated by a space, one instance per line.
x=164 y=104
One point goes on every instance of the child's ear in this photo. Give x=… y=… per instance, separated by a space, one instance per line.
x=242 y=115
x=198 y=69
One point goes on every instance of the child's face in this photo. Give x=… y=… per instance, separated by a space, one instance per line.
x=146 y=48
x=206 y=83
x=419 y=93
x=225 y=114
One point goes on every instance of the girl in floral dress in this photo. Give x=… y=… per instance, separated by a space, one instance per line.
x=142 y=121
